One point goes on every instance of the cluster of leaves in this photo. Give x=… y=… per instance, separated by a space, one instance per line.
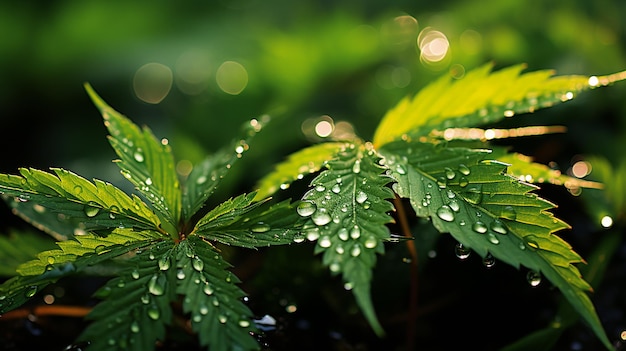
x=166 y=244
x=428 y=148
x=165 y=251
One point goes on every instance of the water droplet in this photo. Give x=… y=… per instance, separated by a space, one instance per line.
x=312 y=234
x=339 y=249
x=260 y=227
x=208 y=289
x=361 y=197
x=201 y=180
x=508 y=212
x=138 y=155
x=442 y=182
x=461 y=251
x=180 y=274
x=91 y=210
x=474 y=194
x=454 y=205
x=320 y=217
x=135 y=274
x=320 y=188
x=306 y=208
x=153 y=312
x=148 y=181
x=134 y=327
x=498 y=227
x=156 y=285
x=325 y=242
x=334 y=267
x=400 y=169
x=164 y=263
x=355 y=232
x=356 y=250
x=197 y=263
x=463 y=182
x=489 y=261
x=343 y=234
x=356 y=168
x=244 y=323
x=450 y=174
x=493 y=238
x=336 y=189
x=31 y=291
x=371 y=242
x=479 y=227
x=222 y=318
x=521 y=246
x=298 y=238
x=464 y=170
x=445 y=213
x=531 y=241
x=204 y=309
x=533 y=278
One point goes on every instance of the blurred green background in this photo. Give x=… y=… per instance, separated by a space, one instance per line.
x=194 y=71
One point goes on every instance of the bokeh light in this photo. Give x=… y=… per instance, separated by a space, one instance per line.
x=193 y=71
x=152 y=82
x=433 y=45
x=232 y=77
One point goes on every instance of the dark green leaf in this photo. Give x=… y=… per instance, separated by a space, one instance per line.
x=348 y=214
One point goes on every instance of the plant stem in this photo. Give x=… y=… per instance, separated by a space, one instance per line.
x=406 y=231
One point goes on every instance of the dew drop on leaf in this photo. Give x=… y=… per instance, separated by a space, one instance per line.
x=356 y=250
x=531 y=242
x=361 y=197
x=138 y=156
x=91 y=210
x=445 y=213
x=334 y=267
x=336 y=189
x=204 y=309
x=312 y=234
x=153 y=312
x=371 y=242
x=464 y=170
x=320 y=188
x=355 y=232
x=135 y=274
x=306 y=208
x=339 y=249
x=134 y=327
x=197 y=263
x=180 y=274
x=461 y=251
x=498 y=227
x=31 y=291
x=508 y=212
x=201 y=180
x=320 y=217
x=325 y=242
x=196 y=318
x=474 y=194
x=145 y=299
x=356 y=168
x=450 y=174
x=244 y=323
x=463 y=182
x=479 y=227
x=155 y=286
x=400 y=169
x=222 y=318
x=298 y=238
x=493 y=238
x=260 y=227
x=343 y=234
x=208 y=289
x=454 y=205
x=489 y=261
x=533 y=278
x=164 y=263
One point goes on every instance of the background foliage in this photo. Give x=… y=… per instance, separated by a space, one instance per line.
x=304 y=60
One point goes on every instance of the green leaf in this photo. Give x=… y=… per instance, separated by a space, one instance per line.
x=480 y=97
x=17 y=248
x=145 y=161
x=242 y=222
x=136 y=306
x=296 y=166
x=490 y=212
x=55 y=264
x=207 y=175
x=348 y=214
x=218 y=315
x=98 y=206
